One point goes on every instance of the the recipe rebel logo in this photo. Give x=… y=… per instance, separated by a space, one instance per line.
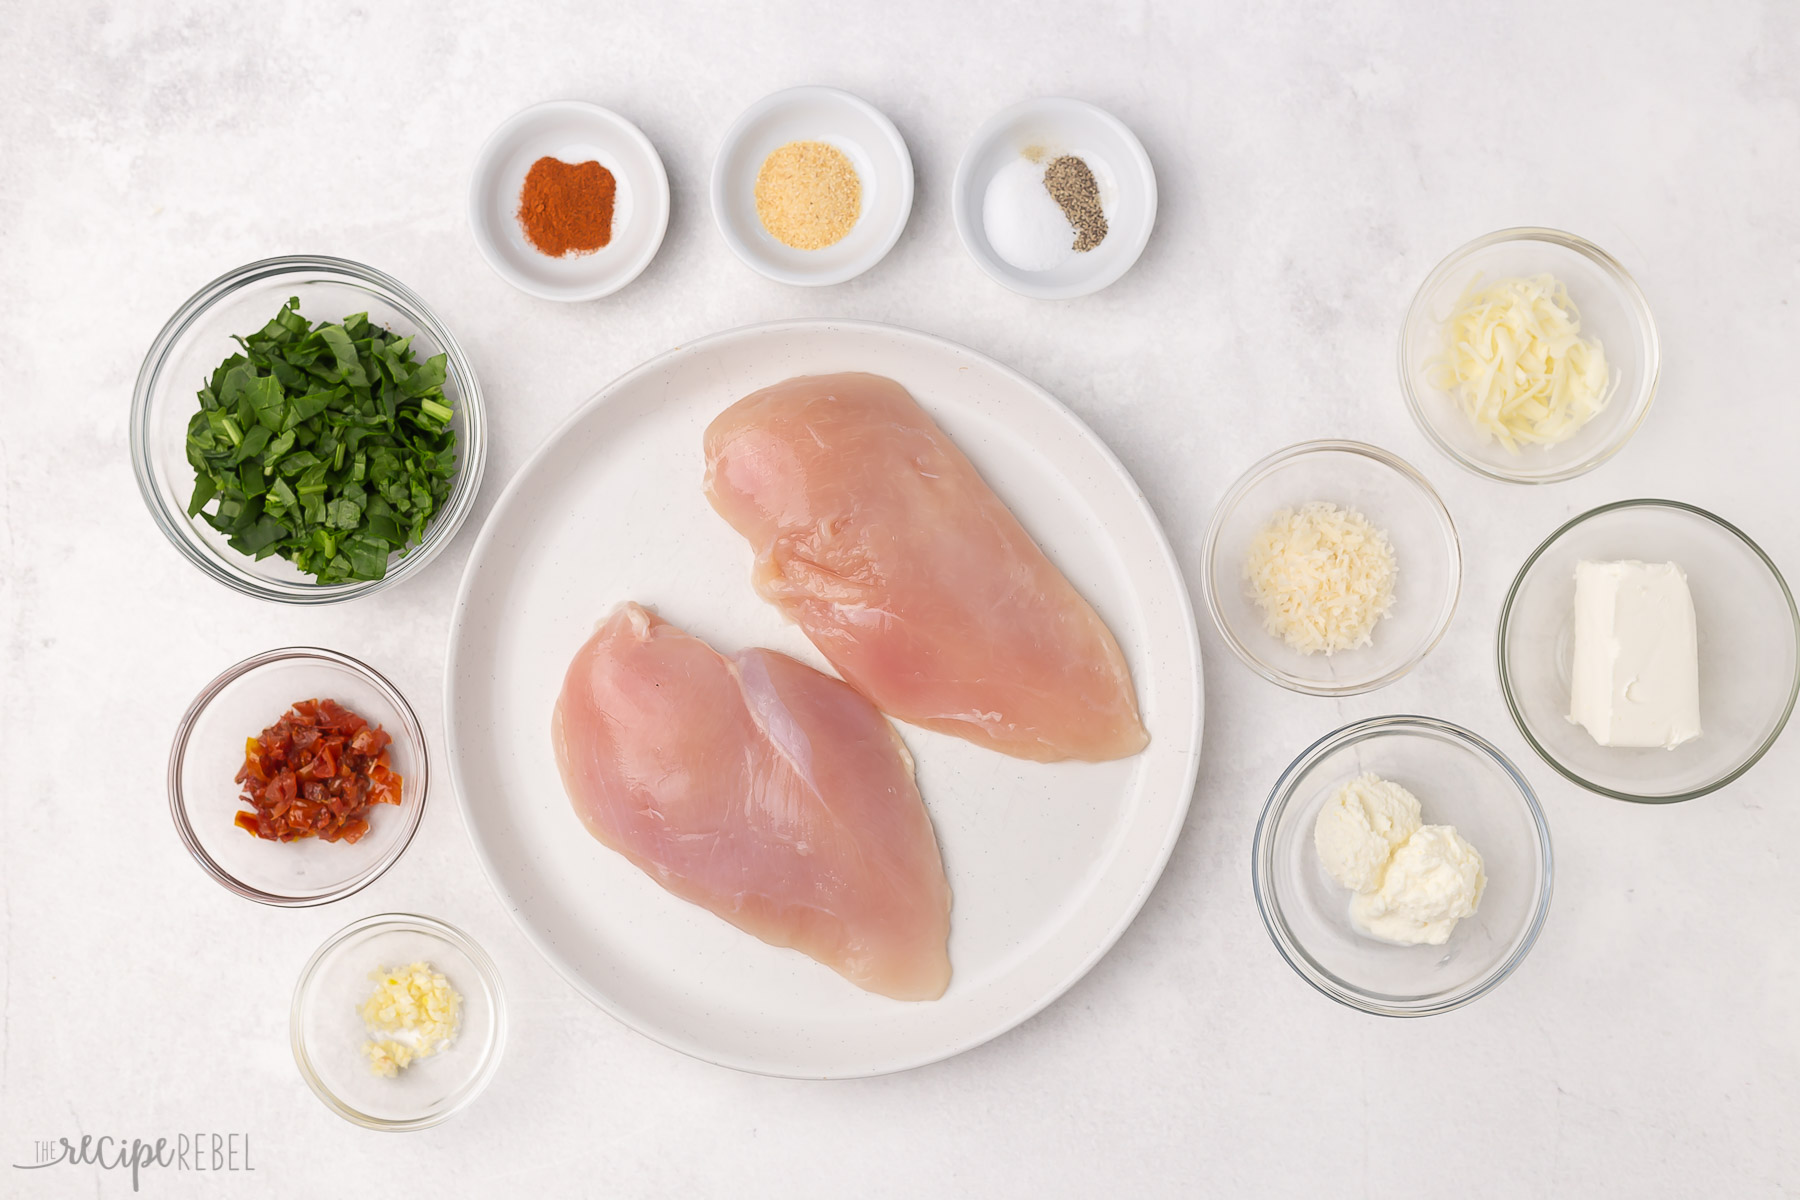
x=195 y=1152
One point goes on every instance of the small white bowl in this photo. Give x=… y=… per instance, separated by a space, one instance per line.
x=573 y=131
x=813 y=114
x=1057 y=127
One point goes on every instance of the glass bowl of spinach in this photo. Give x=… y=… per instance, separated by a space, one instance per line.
x=305 y=430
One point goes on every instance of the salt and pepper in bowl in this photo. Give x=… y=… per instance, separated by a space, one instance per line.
x=1054 y=198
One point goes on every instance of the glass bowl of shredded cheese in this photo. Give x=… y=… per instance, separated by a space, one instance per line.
x=398 y=1022
x=1332 y=568
x=1529 y=356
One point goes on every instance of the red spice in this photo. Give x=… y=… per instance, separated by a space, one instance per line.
x=567 y=208
x=314 y=773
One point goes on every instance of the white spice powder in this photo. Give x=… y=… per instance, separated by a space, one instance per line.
x=1022 y=220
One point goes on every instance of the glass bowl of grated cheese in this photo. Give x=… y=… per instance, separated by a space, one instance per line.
x=1529 y=356
x=398 y=1021
x=1332 y=568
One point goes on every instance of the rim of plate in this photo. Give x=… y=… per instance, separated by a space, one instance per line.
x=1177 y=819
x=1503 y=630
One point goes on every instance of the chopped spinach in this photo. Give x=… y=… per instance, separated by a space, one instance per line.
x=328 y=445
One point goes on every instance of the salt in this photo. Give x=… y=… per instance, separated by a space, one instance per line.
x=1022 y=220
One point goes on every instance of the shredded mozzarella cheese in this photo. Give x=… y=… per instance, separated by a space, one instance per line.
x=1323 y=577
x=1517 y=364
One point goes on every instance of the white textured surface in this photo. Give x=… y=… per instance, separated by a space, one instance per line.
x=1313 y=167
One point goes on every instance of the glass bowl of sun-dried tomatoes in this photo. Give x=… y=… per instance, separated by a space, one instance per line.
x=298 y=776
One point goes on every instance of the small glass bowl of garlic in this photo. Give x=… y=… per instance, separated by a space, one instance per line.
x=398 y=1021
x=1529 y=356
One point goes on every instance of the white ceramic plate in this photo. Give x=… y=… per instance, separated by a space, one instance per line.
x=575 y=132
x=1048 y=863
x=813 y=114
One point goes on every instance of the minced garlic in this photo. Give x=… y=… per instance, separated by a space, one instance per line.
x=387 y=1059
x=413 y=1013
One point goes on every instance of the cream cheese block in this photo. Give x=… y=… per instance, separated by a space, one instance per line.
x=1636 y=674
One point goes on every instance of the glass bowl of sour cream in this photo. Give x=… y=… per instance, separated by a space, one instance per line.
x=1461 y=780
x=1746 y=640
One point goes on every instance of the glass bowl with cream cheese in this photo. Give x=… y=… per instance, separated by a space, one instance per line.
x=1734 y=647
x=1587 y=296
x=1322 y=927
x=1354 y=493
x=386 y=1055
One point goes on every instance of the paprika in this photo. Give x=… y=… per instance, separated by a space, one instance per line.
x=567 y=208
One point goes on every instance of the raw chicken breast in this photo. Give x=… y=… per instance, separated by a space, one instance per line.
x=875 y=534
x=760 y=789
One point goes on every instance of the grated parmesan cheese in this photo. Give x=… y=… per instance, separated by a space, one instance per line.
x=1517 y=364
x=1323 y=577
x=412 y=1013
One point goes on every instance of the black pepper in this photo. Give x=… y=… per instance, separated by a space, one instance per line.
x=1072 y=186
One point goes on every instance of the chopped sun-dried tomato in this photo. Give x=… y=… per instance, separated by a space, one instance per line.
x=314 y=773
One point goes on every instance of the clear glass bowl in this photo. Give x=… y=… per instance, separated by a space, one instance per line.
x=209 y=749
x=1461 y=780
x=198 y=338
x=1392 y=495
x=1612 y=310
x=1749 y=646
x=327 y=1031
